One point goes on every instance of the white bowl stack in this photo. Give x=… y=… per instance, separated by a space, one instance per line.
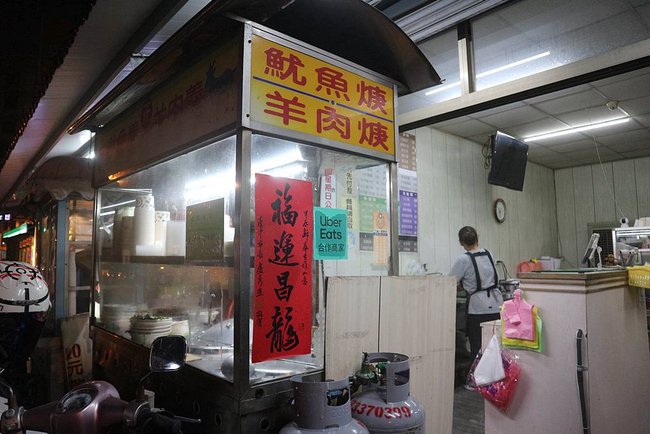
x=117 y=317
x=144 y=330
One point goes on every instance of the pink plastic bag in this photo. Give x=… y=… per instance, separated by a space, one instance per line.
x=517 y=318
x=499 y=393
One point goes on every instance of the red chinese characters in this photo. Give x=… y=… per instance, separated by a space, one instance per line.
x=374 y=134
x=288 y=109
x=300 y=92
x=372 y=97
x=283 y=260
x=333 y=82
x=281 y=66
x=329 y=119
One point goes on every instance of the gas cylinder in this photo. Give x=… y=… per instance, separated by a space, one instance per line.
x=384 y=403
x=322 y=407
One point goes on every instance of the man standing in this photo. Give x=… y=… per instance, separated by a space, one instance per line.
x=476 y=274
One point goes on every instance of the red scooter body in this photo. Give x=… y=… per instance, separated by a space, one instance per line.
x=96 y=408
x=90 y=408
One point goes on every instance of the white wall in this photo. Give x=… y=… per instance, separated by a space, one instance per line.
x=453 y=192
x=596 y=193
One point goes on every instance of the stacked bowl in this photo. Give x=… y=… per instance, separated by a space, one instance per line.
x=145 y=329
x=116 y=317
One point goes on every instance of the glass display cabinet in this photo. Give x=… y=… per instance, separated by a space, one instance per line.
x=152 y=277
x=632 y=245
x=229 y=168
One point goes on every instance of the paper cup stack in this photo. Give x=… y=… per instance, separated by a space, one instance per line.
x=144 y=229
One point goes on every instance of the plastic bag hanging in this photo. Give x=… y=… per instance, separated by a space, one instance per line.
x=490 y=367
x=500 y=393
x=521 y=325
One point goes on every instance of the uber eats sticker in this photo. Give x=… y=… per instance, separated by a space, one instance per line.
x=330 y=233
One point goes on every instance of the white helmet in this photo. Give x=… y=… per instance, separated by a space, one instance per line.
x=24 y=302
x=22 y=288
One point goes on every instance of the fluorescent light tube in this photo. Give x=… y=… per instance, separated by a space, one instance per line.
x=491 y=71
x=576 y=129
x=513 y=64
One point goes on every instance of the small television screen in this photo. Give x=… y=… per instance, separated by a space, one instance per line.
x=508 y=166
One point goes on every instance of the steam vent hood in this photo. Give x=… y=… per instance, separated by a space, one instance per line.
x=350 y=29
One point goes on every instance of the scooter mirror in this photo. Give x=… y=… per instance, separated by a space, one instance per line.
x=167 y=354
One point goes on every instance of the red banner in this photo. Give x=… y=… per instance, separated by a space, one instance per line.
x=283 y=257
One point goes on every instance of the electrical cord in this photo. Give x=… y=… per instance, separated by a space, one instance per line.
x=487 y=154
x=616 y=106
x=609 y=186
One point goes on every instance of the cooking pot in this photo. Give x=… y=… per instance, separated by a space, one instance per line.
x=508 y=287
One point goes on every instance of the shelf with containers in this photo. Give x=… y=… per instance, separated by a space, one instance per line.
x=206 y=182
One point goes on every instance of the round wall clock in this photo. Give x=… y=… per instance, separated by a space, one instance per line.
x=500 y=210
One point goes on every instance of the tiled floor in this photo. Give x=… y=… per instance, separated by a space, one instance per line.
x=469 y=414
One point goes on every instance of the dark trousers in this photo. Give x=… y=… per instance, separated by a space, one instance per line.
x=474 y=330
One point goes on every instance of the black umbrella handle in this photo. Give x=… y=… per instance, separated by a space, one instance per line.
x=581 y=382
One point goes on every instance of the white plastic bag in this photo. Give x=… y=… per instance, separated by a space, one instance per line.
x=489 y=368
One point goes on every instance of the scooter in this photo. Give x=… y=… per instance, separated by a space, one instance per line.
x=95 y=407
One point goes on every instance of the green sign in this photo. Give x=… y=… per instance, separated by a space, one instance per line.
x=330 y=233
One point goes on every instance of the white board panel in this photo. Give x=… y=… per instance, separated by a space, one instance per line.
x=418 y=318
x=352 y=323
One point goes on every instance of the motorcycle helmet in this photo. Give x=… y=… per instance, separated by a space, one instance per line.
x=24 y=302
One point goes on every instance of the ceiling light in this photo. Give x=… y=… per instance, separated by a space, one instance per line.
x=513 y=64
x=576 y=129
x=442 y=88
x=492 y=71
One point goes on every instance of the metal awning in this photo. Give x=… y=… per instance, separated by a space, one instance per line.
x=62 y=177
x=351 y=29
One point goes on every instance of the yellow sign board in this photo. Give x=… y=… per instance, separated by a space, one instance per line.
x=295 y=91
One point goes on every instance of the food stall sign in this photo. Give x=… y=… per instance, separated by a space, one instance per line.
x=199 y=99
x=299 y=93
x=283 y=262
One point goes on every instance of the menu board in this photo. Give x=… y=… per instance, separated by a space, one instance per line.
x=205 y=231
